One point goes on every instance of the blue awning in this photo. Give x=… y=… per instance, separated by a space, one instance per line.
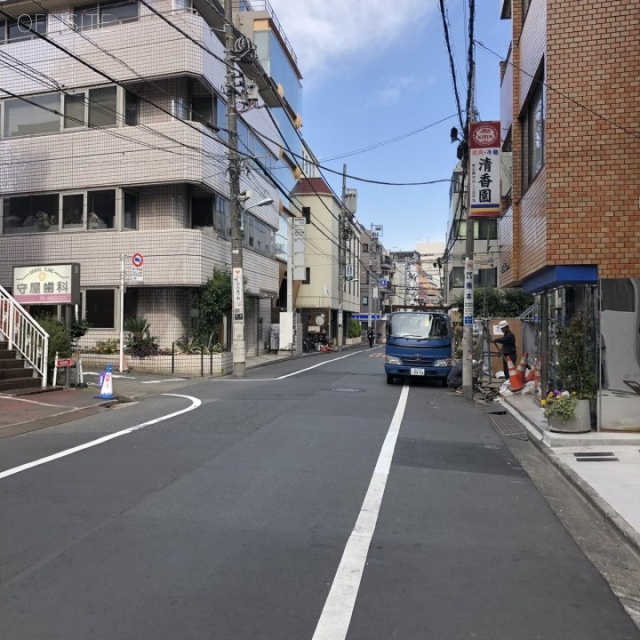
x=561 y=275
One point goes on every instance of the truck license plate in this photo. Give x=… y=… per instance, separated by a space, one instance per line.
x=417 y=372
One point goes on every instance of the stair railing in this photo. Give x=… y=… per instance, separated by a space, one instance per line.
x=24 y=334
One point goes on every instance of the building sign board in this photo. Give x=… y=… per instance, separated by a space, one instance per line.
x=299 y=248
x=47 y=284
x=238 y=294
x=484 y=167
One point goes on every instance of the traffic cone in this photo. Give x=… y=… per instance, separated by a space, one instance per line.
x=515 y=381
x=106 y=390
x=522 y=367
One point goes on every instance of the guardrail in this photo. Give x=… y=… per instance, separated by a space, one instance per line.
x=23 y=333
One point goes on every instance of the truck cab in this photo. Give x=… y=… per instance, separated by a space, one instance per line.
x=419 y=345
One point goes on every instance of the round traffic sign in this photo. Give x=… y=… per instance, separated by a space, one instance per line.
x=137 y=259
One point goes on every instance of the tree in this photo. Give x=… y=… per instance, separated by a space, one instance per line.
x=497 y=303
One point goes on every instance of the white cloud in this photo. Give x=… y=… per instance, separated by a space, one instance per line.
x=323 y=32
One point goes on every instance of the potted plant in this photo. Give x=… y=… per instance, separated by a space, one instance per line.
x=570 y=410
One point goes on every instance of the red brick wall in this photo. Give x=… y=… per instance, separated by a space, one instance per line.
x=583 y=207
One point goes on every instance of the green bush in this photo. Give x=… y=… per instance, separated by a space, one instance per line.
x=354 y=330
x=59 y=339
x=108 y=346
x=139 y=341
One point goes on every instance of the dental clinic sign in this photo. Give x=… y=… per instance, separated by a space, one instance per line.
x=484 y=166
x=47 y=284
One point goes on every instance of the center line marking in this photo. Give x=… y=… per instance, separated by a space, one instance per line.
x=338 y=609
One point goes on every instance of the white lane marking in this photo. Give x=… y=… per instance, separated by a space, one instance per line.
x=42 y=404
x=338 y=609
x=161 y=381
x=195 y=403
x=321 y=364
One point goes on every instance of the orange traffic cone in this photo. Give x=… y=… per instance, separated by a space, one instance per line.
x=522 y=367
x=531 y=372
x=515 y=381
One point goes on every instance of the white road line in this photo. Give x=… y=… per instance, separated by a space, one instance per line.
x=321 y=364
x=195 y=403
x=338 y=609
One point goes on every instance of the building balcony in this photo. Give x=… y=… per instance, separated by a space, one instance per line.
x=386 y=263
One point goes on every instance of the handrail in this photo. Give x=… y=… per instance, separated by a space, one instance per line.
x=23 y=333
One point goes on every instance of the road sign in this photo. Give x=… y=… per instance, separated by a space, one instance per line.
x=137 y=274
x=65 y=362
x=137 y=260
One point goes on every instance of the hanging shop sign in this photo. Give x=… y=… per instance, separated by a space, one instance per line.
x=484 y=168
x=47 y=284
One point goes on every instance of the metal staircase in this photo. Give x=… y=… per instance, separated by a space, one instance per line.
x=24 y=346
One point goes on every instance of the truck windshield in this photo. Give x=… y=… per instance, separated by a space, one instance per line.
x=419 y=325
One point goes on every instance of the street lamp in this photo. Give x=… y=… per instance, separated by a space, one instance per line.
x=238 y=345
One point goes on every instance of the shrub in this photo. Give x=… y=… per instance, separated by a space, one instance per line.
x=59 y=339
x=108 y=346
x=139 y=342
x=561 y=405
x=354 y=330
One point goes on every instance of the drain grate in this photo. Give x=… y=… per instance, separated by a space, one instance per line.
x=508 y=426
x=595 y=456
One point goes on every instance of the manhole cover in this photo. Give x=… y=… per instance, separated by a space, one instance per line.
x=345 y=390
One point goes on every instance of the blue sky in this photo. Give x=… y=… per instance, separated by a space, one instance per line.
x=376 y=70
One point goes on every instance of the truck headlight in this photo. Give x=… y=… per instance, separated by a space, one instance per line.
x=445 y=362
x=392 y=360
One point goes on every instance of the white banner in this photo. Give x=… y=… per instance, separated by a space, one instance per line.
x=238 y=294
x=299 y=248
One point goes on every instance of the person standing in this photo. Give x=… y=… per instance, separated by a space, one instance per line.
x=371 y=336
x=507 y=346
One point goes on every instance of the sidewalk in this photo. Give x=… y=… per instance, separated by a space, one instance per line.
x=604 y=466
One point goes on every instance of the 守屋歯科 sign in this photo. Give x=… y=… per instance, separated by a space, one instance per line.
x=47 y=284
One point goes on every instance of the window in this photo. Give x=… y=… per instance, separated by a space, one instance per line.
x=73 y=211
x=74 y=108
x=307 y=276
x=222 y=220
x=23 y=28
x=131 y=109
x=38 y=115
x=100 y=308
x=101 y=207
x=456 y=278
x=130 y=211
x=202 y=110
x=486 y=229
x=365 y=248
x=365 y=301
x=533 y=134
x=30 y=214
x=486 y=278
x=102 y=107
x=201 y=212
x=102 y=14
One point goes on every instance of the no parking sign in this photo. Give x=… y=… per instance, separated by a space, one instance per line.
x=137 y=260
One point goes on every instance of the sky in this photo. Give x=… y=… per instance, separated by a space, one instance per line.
x=377 y=74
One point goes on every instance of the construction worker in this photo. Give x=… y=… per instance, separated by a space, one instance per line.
x=508 y=346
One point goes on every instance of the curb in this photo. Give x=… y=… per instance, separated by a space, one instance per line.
x=628 y=533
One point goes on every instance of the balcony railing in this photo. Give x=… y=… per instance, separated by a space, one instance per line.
x=264 y=5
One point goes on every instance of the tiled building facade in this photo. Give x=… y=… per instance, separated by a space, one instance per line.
x=112 y=148
x=570 y=232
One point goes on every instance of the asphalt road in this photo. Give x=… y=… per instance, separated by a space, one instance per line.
x=298 y=504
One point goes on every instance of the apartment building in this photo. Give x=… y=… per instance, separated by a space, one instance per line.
x=329 y=225
x=570 y=97
x=114 y=144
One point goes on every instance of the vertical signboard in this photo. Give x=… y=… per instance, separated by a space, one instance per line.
x=484 y=169
x=468 y=292
x=238 y=295
x=299 y=248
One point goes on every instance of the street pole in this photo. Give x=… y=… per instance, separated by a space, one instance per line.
x=122 y=287
x=238 y=340
x=290 y=313
x=342 y=256
x=467 y=335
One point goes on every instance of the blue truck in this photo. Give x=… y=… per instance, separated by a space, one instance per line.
x=419 y=344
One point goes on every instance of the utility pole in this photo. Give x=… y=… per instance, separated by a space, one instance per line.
x=342 y=252
x=467 y=334
x=238 y=338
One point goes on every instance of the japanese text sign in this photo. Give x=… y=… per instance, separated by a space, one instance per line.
x=484 y=168
x=47 y=284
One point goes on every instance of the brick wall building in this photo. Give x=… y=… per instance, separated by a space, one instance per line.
x=571 y=118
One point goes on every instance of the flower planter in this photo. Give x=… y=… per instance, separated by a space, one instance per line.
x=580 y=423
